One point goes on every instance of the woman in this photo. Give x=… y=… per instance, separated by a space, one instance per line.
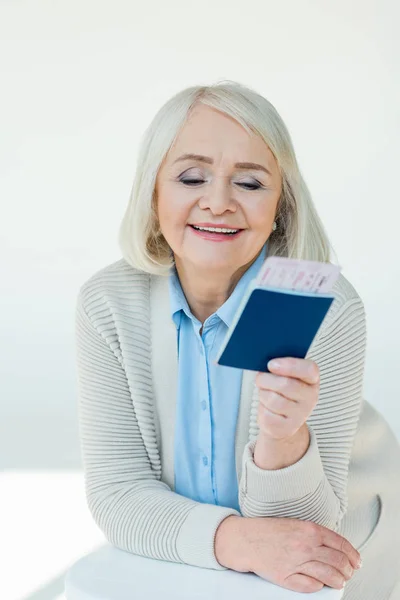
x=291 y=474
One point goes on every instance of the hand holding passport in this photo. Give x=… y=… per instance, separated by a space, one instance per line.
x=280 y=313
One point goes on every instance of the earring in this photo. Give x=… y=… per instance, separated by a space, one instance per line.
x=274 y=226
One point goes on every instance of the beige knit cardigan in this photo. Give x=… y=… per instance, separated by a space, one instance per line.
x=127 y=365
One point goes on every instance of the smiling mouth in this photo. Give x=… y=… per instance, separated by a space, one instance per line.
x=215 y=235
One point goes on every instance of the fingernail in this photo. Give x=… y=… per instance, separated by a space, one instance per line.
x=360 y=564
x=274 y=364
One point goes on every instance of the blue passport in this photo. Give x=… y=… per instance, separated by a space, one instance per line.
x=272 y=323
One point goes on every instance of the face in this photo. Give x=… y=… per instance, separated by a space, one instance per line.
x=214 y=190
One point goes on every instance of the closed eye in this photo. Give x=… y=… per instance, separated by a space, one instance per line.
x=247 y=186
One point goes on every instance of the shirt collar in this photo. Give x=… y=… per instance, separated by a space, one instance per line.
x=227 y=311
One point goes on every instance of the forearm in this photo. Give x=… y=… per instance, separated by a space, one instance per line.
x=270 y=454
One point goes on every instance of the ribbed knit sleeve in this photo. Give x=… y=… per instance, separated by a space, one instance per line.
x=314 y=488
x=135 y=511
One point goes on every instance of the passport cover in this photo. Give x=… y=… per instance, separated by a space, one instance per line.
x=272 y=323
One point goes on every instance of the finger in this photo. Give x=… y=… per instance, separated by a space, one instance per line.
x=275 y=403
x=335 y=540
x=335 y=558
x=302 y=583
x=324 y=573
x=301 y=368
x=293 y=389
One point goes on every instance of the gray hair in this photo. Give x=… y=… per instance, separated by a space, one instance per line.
x=299 y=232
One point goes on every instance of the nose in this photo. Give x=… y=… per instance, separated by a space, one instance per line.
x=218 y=197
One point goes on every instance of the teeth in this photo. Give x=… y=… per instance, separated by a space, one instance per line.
x=216 y=229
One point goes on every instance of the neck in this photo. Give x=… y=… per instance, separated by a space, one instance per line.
x=206 y=291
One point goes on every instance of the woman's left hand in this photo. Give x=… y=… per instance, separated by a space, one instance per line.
x=287 y=395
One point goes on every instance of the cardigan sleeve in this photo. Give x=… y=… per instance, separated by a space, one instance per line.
x=315 y=487
x=135 y=511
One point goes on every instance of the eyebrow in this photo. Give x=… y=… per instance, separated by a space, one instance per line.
x=208 y=160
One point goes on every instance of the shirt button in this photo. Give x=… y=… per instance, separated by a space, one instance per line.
x=205 y=461
x=204 y=405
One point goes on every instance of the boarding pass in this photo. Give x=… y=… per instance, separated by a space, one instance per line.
x=298 y=274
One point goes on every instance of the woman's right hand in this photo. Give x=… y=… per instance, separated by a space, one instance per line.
x=298 y=555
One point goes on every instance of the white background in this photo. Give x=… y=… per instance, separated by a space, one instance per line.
x=80 y=81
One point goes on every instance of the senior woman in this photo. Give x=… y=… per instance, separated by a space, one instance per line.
x=290 y=474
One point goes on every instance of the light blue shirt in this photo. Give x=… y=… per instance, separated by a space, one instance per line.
x=208 y=399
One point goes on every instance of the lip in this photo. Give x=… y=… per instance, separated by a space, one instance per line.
x=216 y=237
x=220 y=225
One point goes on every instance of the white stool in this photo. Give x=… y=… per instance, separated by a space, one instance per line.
x=112 y=574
